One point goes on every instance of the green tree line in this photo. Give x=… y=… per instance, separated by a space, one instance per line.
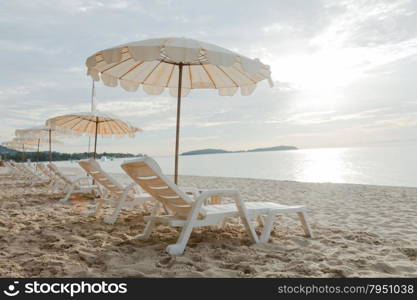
x=56 y=156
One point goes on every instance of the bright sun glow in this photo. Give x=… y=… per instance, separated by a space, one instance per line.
x=319 y=76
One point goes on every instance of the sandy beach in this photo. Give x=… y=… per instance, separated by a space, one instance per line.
x=360 y=231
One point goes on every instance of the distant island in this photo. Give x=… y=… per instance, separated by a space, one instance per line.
x=216 y=151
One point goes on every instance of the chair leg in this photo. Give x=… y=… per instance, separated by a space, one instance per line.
x=150 y=225
x=112 y=219
x=266 y=231
x=98 y=207
x=307 y=229
x=178 y=248
x=97 y=192
x=246 y=220
x=68 y=195
x=57 y=186
x=51 y=185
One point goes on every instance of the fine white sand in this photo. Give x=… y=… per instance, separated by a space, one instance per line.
x=361 y=231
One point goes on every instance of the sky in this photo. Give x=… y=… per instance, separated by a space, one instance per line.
x=344 y=72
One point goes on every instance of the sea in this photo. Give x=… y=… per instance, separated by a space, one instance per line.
x=392 y=166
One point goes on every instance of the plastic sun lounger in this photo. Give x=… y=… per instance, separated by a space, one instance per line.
x=40 y=177
x=54 y=180
x=14 y=171
x=116 y=194
x=18 y=171
x=188 y=213
x=30 y=174
x=44 y=170
x=70 y=186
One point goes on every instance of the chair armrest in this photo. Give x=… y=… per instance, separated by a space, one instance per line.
x=136 y=188
x=129 y=189
x=205 y=195
x=80 y=179
x=219 y=192
x=190 y=190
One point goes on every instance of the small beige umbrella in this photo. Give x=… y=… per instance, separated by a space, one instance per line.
x=180 y=65
x=43 y=135
x=93 y=123
x=21 y=145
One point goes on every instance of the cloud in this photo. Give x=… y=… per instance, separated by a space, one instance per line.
x=146 y=106
x=344 y=71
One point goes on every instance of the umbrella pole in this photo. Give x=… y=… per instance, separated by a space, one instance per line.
x=93 y=108
x=37 y=156
x=178 y=122
x=50 y=146
x=23 y=153
x=95 y=140
x=88 y=149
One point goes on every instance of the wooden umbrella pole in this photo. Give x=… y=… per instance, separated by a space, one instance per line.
x=23 y=152
x=88 y=150
x=177 y=142
x=95 y=139
x=93 y=108
x=50 y=146
x=37 y=155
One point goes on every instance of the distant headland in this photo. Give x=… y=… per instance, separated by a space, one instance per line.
x=217 y=151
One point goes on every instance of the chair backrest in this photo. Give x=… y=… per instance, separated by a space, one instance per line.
x=44 y=170
x=93 y=168
x=10 y=166
x=22 y=169
x=29 y=169
x=146 y=172
x=58 y=173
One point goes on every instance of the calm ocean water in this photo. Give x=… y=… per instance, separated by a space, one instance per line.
x=396 y=166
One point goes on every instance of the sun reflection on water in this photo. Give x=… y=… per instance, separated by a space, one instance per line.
x=323 y=165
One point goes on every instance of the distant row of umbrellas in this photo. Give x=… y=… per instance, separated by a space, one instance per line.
x=92 y=123
x=178 y=64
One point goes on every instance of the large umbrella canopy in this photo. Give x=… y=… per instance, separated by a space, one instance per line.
x=43 y=135
x=155 y=64
x=93 y=123
x=178 y=64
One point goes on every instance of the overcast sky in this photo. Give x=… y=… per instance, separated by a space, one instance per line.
x=345 y=72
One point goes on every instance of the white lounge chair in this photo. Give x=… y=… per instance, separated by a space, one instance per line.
x=18 y=171
x=14 y=171
x=44 y=170
x=55 y=183
x=186 y=212
x=39 y=176
x=30 y=174
x=116 y=193
x=74 y=186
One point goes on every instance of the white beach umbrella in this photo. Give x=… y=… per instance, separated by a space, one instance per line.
x=43 y=135
x=21 y=145
x=93 y=123
x=180 y=65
